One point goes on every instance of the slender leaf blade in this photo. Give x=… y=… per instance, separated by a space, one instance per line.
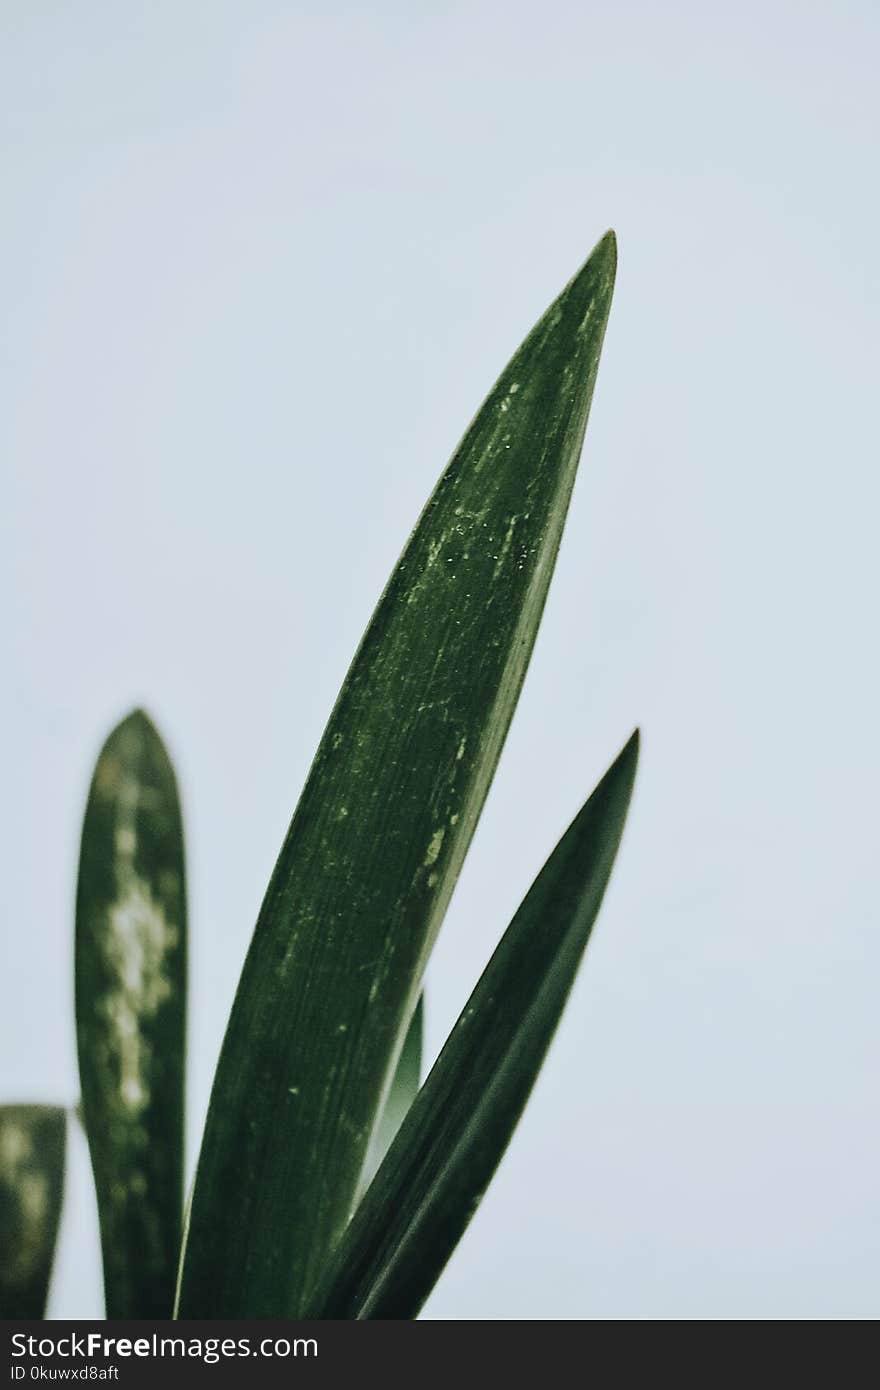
x=32 y=1151
x=130 y=1014
x=381 y=829
x=453 y=1138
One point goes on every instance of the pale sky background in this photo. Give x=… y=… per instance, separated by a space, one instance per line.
x=261 y=263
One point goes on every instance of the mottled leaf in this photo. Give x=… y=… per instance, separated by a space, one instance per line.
x=450 y=1143
x=130 y=1015
x=32 y=1145
x=378 y=838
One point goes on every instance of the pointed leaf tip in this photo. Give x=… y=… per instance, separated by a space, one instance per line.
x=633 y=746
x=590 y=289
x=140 y=719
x=137 y=725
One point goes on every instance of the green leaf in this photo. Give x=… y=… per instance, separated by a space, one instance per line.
x=452 y=1140
x=382 y=827
x=400 y=1097
x=130 y=1014
x=32 y=1144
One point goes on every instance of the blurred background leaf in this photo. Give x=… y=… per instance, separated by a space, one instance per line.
x=130 y=1014
x=32 y=1150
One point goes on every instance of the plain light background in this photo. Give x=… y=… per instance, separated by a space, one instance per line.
x=261 y=262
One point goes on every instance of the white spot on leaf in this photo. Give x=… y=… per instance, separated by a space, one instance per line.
x=137 y=942
x=435 y=847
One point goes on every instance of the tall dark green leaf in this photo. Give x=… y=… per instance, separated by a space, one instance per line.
x=450 y=1143
x=32 y=1144
x=130 y=1014
x=375 y=846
